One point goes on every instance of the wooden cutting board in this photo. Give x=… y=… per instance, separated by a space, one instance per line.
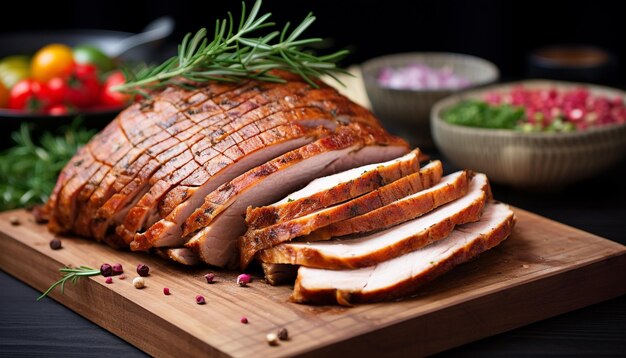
x=544 y=269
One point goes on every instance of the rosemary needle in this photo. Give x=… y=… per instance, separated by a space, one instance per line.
x=237 y=52
x=70 y=274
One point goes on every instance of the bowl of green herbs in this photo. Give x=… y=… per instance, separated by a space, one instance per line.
x=533 y=134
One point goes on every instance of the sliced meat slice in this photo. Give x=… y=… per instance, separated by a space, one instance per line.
x=404 y=209
x=220 y=219
x=181 y=255
x=381 y=246
x=333 y=189
x=287 y=230
x=401 y=276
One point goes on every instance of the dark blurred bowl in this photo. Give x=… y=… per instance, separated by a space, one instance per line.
x=573 y=63
x=27 y=43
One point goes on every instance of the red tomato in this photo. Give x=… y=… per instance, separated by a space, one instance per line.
x=57 y=90
x=83 y=86
x=28 y=95
x=58 y=110
x=111 y=98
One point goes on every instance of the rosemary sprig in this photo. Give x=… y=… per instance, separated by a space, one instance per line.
x=70 y=274
x=235 y=53
x=29 y=170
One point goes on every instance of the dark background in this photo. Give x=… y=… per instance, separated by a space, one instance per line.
x=503 y=32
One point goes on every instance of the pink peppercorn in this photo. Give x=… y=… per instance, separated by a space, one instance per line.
x=210 y=277
x=166 y=291
x=122 y=276
x=143 y=270
x=106 y=270
x=243 y=279
x=117 y=269
x=109 y=280
x=244 y=320
x=200 y=300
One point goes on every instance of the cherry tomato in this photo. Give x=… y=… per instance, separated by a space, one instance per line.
x=28 y=95
x=58 y=110
x=83 y=86
x=4 y=96
x=51 y=61
x=57 y=90
x=111 y=98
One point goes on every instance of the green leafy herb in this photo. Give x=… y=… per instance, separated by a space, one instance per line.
x=237 y=52
x=475 y=113
x=29 y=170
x=70 y=274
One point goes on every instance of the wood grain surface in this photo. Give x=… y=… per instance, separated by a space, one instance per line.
x=543 y=269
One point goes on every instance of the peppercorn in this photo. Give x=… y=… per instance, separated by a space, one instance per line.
x=166 y=291
x=272 y=339
x=106 y=270
x=200 y=300
x=139 y=282
x=14 y=220
x=243 y=279
x=117 y=269
x=109 y=280
x=244 y=320
x=283 y=334
x=143 y=270
x=210 y=277
x=55 y=244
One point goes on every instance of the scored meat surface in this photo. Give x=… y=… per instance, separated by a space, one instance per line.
x=402 y=275
x=381 y=246
x=138 y=181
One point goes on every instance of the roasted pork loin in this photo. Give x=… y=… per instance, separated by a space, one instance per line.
x=162 y=161
x=293 y=175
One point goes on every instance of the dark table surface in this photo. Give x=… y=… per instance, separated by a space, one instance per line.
x=29 y=328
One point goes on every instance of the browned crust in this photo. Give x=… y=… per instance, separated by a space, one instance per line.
x=264 y=216
x=410 y=286
x=308 y=255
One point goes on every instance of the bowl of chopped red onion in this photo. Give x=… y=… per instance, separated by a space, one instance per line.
x=402 y=88
x=535 y=134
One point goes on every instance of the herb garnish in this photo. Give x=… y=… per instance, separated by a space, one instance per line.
x=70 y=274
x=236 y=53
x=29 y=170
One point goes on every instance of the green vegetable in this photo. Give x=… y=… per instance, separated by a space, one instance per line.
x=28 y=171
x=86 y=54
x=473 y=113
